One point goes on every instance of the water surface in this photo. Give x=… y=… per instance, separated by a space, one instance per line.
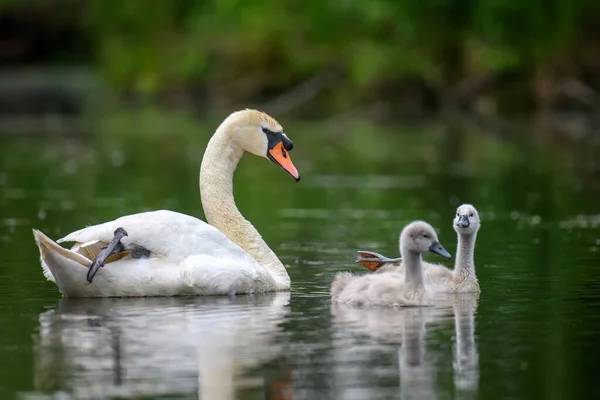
x=532 y=333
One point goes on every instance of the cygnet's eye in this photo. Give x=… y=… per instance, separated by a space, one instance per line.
x=471 y=215
x=457 y=214
x=426 y=236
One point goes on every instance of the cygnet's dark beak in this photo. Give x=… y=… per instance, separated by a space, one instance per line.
x=438 y=249
x=463 y=221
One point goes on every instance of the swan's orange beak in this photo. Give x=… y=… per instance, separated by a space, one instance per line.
x=280 y=156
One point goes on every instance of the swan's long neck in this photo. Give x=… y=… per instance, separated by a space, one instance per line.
x=216 y=192
x=465 y=265
x=413 y=267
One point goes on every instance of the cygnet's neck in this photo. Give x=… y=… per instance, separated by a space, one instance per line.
x=465 y=264
x=413 y=267
x=216 y=192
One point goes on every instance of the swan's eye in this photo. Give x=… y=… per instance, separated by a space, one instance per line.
x=266 y=131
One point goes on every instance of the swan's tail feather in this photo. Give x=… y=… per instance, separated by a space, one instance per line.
x=48 y=246
x=339 y=283
x=62 y=266
x=46 y=271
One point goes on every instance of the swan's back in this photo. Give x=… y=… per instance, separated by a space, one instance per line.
x=187 y=256
x=165 y=233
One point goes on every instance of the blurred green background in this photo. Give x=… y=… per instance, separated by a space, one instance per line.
x=398 y=109
x=314 y=58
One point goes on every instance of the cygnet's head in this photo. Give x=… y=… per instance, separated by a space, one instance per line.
x=466 y=220
x=258 y=133
x=420 y=237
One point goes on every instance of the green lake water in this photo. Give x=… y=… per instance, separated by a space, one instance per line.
x=532 y=333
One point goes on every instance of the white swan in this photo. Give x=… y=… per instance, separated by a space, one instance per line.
x=392 y=288
x=165 y=253
x=441 y=279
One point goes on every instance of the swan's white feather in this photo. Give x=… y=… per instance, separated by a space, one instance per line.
x=159 y=275
x=166 y=233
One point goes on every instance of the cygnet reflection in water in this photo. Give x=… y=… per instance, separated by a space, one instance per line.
x=419 y=361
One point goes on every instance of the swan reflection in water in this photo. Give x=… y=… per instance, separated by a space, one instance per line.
x=420 y=358
x=193 y=347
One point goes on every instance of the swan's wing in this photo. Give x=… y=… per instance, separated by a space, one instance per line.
x=163 y=232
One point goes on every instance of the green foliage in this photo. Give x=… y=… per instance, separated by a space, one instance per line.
x=248 y=47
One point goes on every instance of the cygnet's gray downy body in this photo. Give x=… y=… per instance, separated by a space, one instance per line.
x=393 y=289
x=438 y=278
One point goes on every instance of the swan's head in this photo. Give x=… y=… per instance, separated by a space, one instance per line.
x=466 y=220
x=258 y=133
x=420 y=237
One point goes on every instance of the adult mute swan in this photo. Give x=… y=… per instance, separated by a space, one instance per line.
x=393 y=289
x=441 y=279
x=165 y=253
